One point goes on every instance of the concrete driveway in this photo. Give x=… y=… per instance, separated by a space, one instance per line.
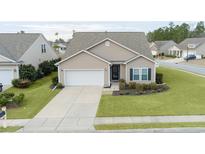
x=72 y=110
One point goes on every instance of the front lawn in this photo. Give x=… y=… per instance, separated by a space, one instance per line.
x=36 y=97
x=149 y=125
x=186 y=96
x=9 y=129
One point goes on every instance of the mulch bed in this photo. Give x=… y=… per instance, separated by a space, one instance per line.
x=135 y=92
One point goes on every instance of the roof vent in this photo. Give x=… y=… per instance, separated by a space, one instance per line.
x=107 y=43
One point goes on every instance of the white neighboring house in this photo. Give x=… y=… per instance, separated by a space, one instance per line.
x=22 y=48
x=154 y=49
x=175 y=51
x=193 y=46
x=168 y=47
x=61 y=48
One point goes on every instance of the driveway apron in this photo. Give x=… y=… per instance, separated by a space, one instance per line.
x=72 y=110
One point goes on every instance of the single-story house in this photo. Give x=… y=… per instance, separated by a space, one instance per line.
x=21 y=48
x=154 y=49
x=175 y=51
x=168 y=47
x=99 y=58
x=193 y=46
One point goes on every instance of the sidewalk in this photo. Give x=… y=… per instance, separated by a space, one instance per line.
x=148 y=119
x=15 y=122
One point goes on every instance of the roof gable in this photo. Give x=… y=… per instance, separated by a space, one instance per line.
x=135 y=41
x=79 y=52
x=14 y=45
x=195 y=41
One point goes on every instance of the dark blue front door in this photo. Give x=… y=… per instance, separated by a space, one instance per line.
x=115 y=70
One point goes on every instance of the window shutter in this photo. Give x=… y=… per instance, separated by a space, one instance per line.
x=131 y=74
x=149 y=73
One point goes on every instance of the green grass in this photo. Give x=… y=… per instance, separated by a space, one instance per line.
x=186 y=96
x=148 y=125
x=9 y=129
x=36 y=97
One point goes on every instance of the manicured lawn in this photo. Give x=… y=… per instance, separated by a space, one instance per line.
x=186 y=96
x=149 y=125
x=9 y=129
x=36 y=97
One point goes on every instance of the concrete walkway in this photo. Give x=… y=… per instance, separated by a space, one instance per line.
x=72 y=110
x=148 y=119
x=15 y=122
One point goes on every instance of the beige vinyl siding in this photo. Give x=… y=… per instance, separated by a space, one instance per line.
x=84 y=61
x=141 y=62
x=113 y=52
x=122 y=71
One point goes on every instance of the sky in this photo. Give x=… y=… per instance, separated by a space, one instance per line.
x=65 y=29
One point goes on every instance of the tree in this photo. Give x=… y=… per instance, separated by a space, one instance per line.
x=176 y=32
x=199 y=29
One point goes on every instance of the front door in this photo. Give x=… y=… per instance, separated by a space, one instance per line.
x=115 y=72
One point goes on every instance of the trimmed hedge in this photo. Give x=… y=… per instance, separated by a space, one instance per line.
x=19 y=83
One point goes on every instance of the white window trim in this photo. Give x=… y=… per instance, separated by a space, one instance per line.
x=140 y=73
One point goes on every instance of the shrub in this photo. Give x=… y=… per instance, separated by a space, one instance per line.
x=55 y=80
x=59 y=86
x=19 y=83
x=27 y=72
x=145 y=87
x=122 y=80
x=39 y=73
x=159 y=78
x=18 y=99
x=139 y=87
x=45 y=67
x=153 y=86
x=8 y=95
x=3 y=101
x=15 y=82
x=52 y=64
x=132 y=85
x=122 y=85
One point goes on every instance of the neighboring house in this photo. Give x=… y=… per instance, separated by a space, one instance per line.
x=59 y=47
x=21 y=48
x=154 y=49
x=168 y=47
x=175 y=50
x=193 y=46
x=99 y=58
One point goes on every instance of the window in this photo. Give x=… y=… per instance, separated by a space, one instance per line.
x=140 y=74
x=144 y=74
x=136 y=74
x=43 y=48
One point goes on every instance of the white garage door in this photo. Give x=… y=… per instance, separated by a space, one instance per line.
x=6 y=76
x=84 y=77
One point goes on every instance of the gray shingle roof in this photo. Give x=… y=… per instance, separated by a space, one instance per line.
x=136 y=41
x=165 y=45
x=196 y=41
x=14 y=45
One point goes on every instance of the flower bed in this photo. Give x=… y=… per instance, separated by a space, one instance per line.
x=134 y=88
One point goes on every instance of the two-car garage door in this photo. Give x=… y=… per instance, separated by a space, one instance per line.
x=84 y=77
x=6 y=76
